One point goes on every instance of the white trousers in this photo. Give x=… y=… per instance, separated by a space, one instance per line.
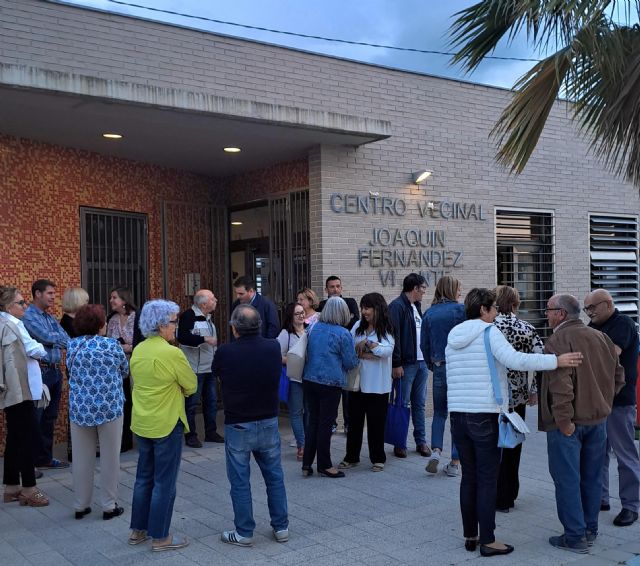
x=83 y=446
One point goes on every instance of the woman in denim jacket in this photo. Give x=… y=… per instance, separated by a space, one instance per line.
x=330 y=354
x=445 y=313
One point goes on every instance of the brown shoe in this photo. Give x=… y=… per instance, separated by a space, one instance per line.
x=400 y=452
x=35 y=499
x=423 y=450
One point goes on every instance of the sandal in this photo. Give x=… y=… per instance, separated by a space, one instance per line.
x=377 y=467
x=10 y=496
x=175 y=543
x=137 y=537
x=344 y=465
x=35 y=499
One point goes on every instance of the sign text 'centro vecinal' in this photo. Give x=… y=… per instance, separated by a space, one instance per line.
x=417 y=249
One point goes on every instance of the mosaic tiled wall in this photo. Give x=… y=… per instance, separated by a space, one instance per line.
x=42 y=188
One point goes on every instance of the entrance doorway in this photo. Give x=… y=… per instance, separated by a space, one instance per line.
x=269 y=242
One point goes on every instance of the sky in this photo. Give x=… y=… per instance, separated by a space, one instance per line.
x=420 y=24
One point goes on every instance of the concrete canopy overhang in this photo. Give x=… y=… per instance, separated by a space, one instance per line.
x=175 y=128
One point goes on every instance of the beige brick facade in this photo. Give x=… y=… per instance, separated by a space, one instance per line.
x=436 y=123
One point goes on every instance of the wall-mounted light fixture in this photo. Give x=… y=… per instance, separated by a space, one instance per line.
x=419 y=179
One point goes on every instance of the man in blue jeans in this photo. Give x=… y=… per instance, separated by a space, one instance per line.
x=408 y=362
x=249 y=370
x=573 y=407
x=43 y=327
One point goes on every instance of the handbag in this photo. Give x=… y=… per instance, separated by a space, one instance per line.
x=353 y=379
x=396 y=426
x=283 y=389
x=511 y=426
x=297 y=356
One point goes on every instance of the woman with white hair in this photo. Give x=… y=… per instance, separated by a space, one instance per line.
x=162 y=378
x=330 y=354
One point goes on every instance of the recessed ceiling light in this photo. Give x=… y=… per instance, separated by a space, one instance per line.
x=236 y=223
x=232 y=149
x=112 y=136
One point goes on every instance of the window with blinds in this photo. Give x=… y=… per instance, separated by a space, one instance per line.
x=526 y=259
x=613 y=248
x=113 y=251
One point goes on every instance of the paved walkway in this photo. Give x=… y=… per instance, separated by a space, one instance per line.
x=399 y=516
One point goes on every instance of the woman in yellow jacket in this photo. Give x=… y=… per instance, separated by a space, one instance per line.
x=162 y=378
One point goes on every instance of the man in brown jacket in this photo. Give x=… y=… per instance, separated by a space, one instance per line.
x=573 y=407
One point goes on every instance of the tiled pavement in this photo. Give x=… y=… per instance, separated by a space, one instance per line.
x=399 y=516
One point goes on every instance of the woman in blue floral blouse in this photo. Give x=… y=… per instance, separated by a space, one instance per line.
x=96 y=365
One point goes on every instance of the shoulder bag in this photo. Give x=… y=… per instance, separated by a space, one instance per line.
x=511 y=426
x=297 y=356
x=397 y=424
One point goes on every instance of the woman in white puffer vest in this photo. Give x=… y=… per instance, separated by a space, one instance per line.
x=474 y=411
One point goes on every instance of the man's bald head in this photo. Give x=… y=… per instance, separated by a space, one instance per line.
x=599 y=306
x=205 y=300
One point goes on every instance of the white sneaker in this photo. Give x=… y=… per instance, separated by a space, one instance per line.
x=432 y=466
x=281 y=536
x=232 y=537
x=452 y=470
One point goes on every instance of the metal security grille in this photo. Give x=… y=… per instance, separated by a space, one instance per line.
x=113 y=252
x=525 y=254
x=289 y=246
x=613 y=248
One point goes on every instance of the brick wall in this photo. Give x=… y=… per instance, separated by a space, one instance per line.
x=440 y=123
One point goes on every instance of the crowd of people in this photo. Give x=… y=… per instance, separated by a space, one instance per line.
x=140 y=375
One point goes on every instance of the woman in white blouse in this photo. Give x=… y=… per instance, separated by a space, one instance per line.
x=373 y=336
x=292 y=329
x=18 y=397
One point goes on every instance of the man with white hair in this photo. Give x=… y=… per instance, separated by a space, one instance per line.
x=621 y=422
x=573 y=407
x=198 y=340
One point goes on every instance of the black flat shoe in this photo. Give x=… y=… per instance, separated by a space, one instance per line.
x=625 y=518
x=471 y=544
x=306 y=472
x=333 y=475
x=115 y=512
x=81 y=514
x=490 y=551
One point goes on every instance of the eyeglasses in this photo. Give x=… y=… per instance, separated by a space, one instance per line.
x=554 y=309
x=299 y=313
x=22 y=303
x=173 y=321
x=591 y=308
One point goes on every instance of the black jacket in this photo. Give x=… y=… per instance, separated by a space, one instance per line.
x=249 y=370
x=622 y=331
x=404 y=325
x=268 y=314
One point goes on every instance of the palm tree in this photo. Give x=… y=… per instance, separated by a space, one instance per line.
x=595 y=65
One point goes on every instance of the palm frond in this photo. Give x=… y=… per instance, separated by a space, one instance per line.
x=478 y=29
x=521 y=123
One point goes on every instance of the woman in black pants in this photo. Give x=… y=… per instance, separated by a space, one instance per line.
x=20 y=386
x=524 y=338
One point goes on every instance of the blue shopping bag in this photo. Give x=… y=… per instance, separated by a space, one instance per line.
x=397 y=425
x=283 y=389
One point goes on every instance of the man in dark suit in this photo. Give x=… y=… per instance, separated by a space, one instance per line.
x=249 y=370
x=245 y=290
x=333 y=287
